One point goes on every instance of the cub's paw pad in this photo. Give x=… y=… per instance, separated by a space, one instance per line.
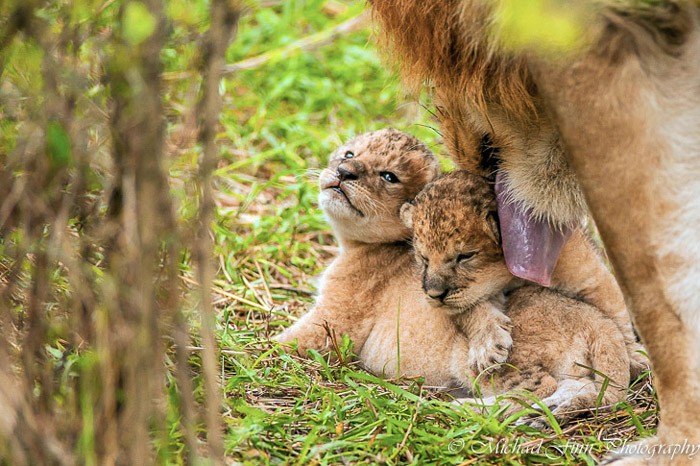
x=490 y=345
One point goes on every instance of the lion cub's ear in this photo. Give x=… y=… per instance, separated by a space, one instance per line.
x=406 y=215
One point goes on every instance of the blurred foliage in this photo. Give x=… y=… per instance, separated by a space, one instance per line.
x=73 y=74
x=541 y=25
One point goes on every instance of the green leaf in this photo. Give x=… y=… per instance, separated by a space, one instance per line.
x=544 y=25
x=138 y=23
x=58 y=145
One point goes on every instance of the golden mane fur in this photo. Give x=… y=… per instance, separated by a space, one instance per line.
x=448 y=44
x=451 y=45
x=485 y=94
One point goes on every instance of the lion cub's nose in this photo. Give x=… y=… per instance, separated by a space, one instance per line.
x=437 y=293
x=346 y=175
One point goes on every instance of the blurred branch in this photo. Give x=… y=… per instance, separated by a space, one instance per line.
x=224 y=22
x=131 y=346
x=305 y=44
x=19 y=19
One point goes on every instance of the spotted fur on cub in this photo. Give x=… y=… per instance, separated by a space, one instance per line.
x=372 y=291
x=563 y=348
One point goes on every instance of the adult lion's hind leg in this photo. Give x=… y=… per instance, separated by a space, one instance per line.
x=629 y=115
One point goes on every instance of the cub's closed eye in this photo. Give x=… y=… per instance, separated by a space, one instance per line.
x=466 y=256
x=390 y=177
x=424 y=259
x=349 y=154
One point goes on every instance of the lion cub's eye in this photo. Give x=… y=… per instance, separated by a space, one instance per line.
x=424 y=259
x=466 y=256
x=388 y=176
x=348 y=155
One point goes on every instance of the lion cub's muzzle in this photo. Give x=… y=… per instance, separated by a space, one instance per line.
x=350 y=170
x=436 y=289
x=345 y=175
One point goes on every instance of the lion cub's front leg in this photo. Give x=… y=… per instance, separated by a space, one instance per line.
x=309 y=332
x=487 y=330
x=317 y=329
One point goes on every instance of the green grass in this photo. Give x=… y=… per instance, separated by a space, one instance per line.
x=281 y=120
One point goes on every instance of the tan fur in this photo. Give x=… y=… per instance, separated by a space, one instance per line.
x=553 y=336
x=444 y=239
x=581 y=274
x=617 y=121
x=373 y=217
x=371 y=291
x=643 y=88
x=483 y=97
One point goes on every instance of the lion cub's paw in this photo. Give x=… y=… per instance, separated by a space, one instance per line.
x=638 y=361
x=489 y=340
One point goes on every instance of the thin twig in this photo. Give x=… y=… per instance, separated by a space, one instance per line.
x=227 y=294
x=270 y=301
x=294 y=289
x=305 y=44
x=253 y=290
x=224 y=23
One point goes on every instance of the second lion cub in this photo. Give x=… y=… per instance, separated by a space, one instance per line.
x=565 y=347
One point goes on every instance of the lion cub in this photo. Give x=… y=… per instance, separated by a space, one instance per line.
x=565 y=346
x=371 y=291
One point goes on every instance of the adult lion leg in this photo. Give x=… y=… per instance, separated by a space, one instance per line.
x=628 y=113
